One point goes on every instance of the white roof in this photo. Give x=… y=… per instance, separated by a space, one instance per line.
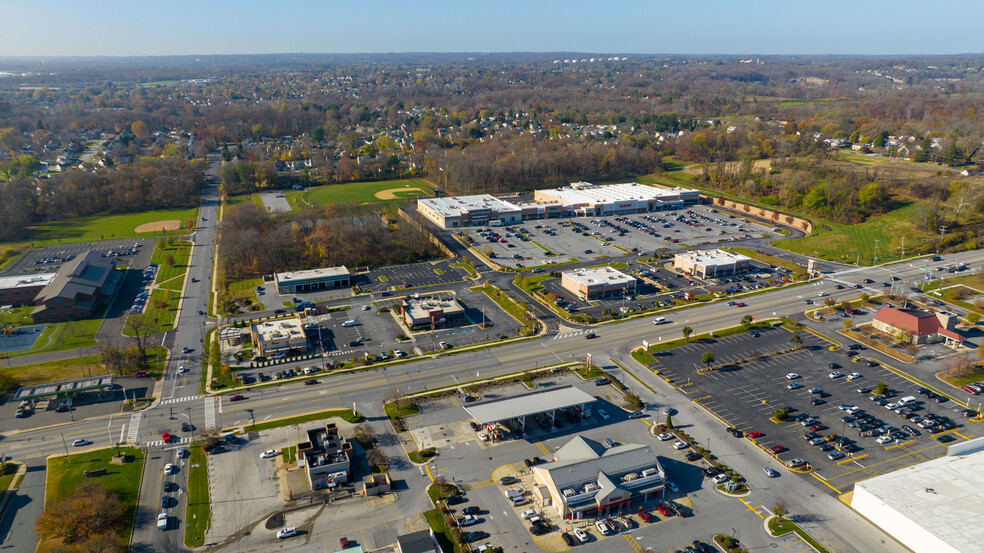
x=587 y=193
x=713 y=257
x=496 y=410
x=41 y=279
x=325 y=272
x=941 y=496
x=280 y=329
x=453 y=206
x=601 y=275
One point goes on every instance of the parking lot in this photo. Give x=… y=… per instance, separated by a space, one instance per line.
x=588 y=238
x=478 y=467
x=49 y=259
x=819 y=385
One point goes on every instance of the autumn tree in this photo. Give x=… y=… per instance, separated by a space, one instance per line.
x=140 y=327
x=91 y=510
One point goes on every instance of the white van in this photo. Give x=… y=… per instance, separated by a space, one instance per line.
x=659 y=320
x=349 y=322
x=906 y=400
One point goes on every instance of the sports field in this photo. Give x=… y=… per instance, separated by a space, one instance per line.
x=103 y=226
x=366 y=192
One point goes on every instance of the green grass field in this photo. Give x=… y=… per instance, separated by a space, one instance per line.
x=123 y=479
x=102 y=226
x=17 y=316
x=364 y=192
x=171 y=277
x=198 y=514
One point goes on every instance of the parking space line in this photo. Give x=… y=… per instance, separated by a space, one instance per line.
x=821 y=479
x=794 y=542
x=849 y=459
x=633 y=543
x=752 y=509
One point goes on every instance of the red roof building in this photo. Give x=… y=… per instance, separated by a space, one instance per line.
x=925 y=327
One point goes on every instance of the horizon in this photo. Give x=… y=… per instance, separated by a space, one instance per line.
x=718 y=28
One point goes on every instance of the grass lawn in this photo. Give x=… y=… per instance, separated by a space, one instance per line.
x=976 y=376
x=103 y=226
x=344 y=414
x=365 y=192
x=973 y=281
x=68 y=335
x=17 y=316
x=124 y=480
x=504 y=301
x=784 y=527
x=171 y=277
x=165 y=315
x=471 y=270
x=289 y=454
x=403 y=410
x=436 y=521
x=198 y=514
x=769 y=259
x=65 y=369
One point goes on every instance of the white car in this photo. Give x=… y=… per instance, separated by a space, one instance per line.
x=835 y=374
x=288 y=532
x=602 y=528
x=792 y=376
x=679 y=445
x=169 y=469
x=483 y=436
x=769 y=472
x=845 y=406
x=793 y=386
x=672 y=486
x=793 y=463
x=665 y=436
x=581 y=535
x=270 y=453
x=720 y=479
x=822 y=294
x=81 y=442
x=467 y=520
x=603 y=414
x=528 y=514
x=162 y=521
x=182 y=369
x=852 y=376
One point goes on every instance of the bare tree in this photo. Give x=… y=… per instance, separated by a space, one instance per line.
x=376 y=457
x=365 y=434
x=141 y=327
x=780 y=509
x=208 y=437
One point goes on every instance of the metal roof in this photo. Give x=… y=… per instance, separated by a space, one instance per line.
x=496 y=410
x=64 y=387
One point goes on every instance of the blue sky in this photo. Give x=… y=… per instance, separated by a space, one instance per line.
x=139 y=27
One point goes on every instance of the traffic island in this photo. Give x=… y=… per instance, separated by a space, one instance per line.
x=780 y=526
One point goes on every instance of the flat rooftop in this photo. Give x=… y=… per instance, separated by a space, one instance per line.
x=601 y=275
x=712 y=257
x=453 y=206
x=280 y=329
x=942 y=496
x=587 y=193
x=41 y=279
x=63 y=387
x=496 y=410
x=312 y=274
x=421 y=307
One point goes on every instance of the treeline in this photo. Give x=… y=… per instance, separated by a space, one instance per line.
x=253 y=243
x=148 y=183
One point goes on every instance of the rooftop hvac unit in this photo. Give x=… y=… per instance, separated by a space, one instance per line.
x=630 y=477
x=569 y=492
x=590 y=487
x=649 y=472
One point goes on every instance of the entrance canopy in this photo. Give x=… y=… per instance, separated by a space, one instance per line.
x=504 y=409
x=65 y=387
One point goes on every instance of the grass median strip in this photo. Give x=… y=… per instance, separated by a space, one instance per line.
x=781 y=527
x=344 y=414
x=199 y=512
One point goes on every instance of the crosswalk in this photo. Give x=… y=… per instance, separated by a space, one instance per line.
x=157 y=443
x=132 y=433
x=210 y=413
x=569 y=334
x=179 y=399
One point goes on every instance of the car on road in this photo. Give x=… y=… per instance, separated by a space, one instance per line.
x=756 y=434
x=185 y=427
x=669 y=410
x=310 y=382
x=170 y=469
x=80 y=442
x=678 y=445
x=770 y=473
x=288 y=532
x=665 y=436
x=268 y=454
x=590 y=335
x=162 y=521
x=636 y=415
x=237 y=397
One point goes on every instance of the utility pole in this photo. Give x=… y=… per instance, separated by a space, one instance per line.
x=903 y=249
x=65 y=445
x=876 y=251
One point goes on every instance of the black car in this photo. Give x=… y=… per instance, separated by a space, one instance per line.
x=538 y=528
x=693 y=456
x=601 y=381
x=215 y=450
x=279 y=311
x=472 y=510
x=355 y=343
x=568 y=539
x=590 y=335
x=185 y=427
x=945 y=438
x=711 y=472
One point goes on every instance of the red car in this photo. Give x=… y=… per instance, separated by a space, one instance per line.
x=237 y=397
x=310 y=382
x=662 y=510
x=818 y=427
x=344 y=543
x=756 y=434
x=166 y=437
x=969 y=390
x=777 y=449
x=740 y=304
x=646 y=517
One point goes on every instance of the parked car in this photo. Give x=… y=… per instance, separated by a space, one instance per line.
x=287 y=532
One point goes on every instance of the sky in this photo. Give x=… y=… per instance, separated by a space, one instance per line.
x=745 y=27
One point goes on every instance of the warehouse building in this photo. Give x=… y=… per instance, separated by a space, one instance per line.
x=21 y=290
x=930 y=507
x=469 y=211
x=599 y=283
x=585 y=478
x=431 y=312
x=281 y=335
x=313 y=279
x=711 y=263
x=586 y=199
